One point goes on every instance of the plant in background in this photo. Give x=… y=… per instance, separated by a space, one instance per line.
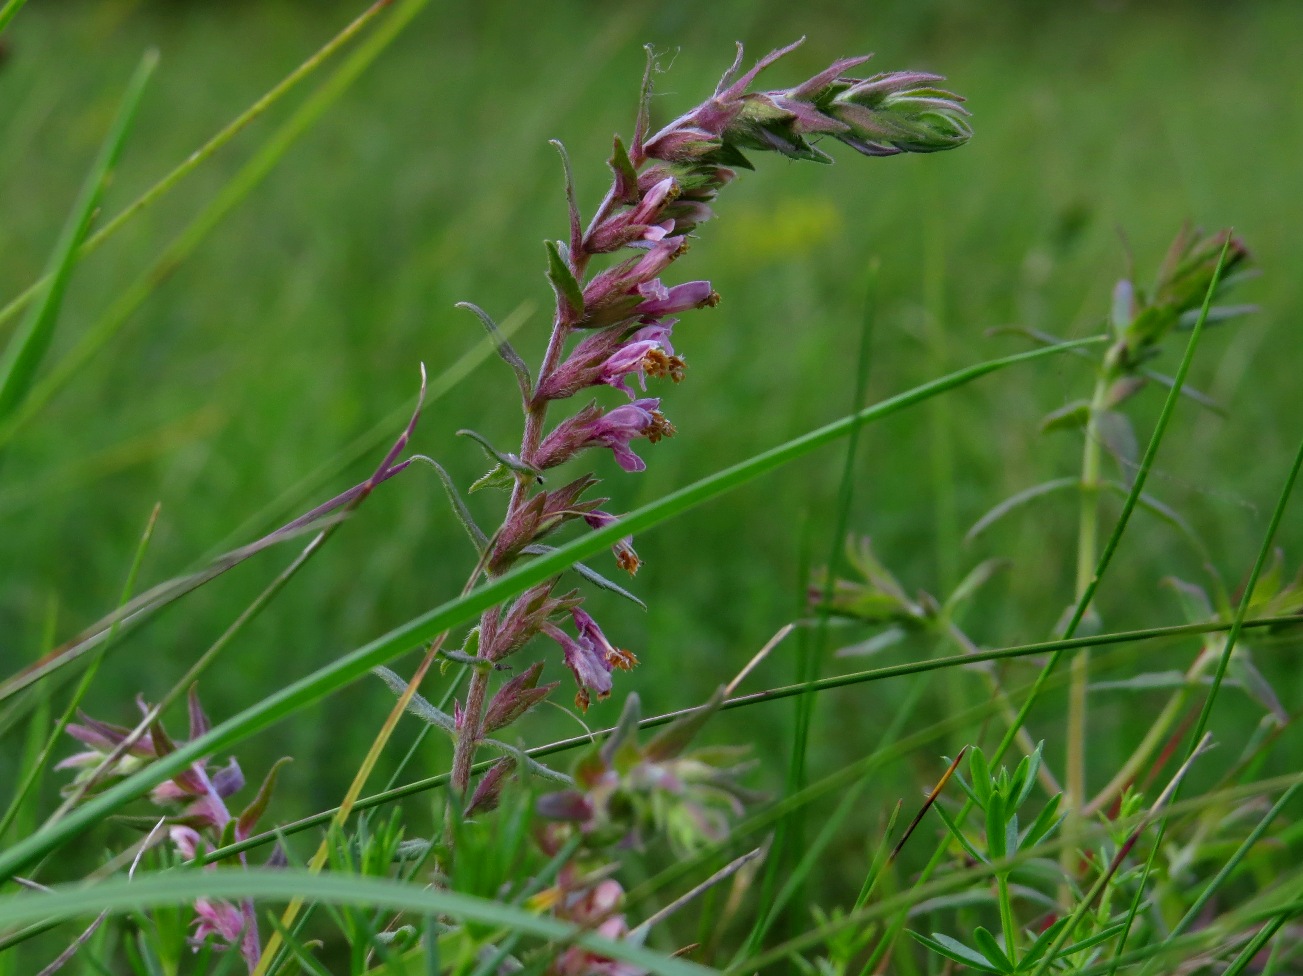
x=197 y=820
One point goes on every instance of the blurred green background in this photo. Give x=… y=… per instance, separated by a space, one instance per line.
x=299 y=323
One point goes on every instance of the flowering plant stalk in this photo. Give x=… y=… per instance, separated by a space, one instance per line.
x=662 y=187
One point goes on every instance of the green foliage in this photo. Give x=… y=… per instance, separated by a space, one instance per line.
x=266 y=335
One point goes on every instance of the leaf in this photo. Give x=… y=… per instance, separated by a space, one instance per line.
x=1029 y=775
x=1043 y=942
x=499 y=476
x=980 y=772
x=879 y=642
x=509 y=461
x=977 y=577
x=1216 y=315
x=995 y=824
x=990 y=948
x=572 y=204
x=1150 y=681
x=418 y=706
x=591 y=575
x=505 y=349
x=959 y=835
x=478 y=538
x=31 y=340
x=1016 y=501
x=1194 y=599
x=563 y=281
x=1119 y=439
x=1046 y=821
x=956 y=951
x=1071 y=416
x=249 y=815
x=1243 y=670
x=1163 y=511
x=626 y=175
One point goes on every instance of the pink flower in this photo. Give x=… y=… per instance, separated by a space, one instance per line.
x=614 y=429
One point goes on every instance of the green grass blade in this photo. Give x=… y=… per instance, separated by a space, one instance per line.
x=27 y=347
x=204 y=152
x=119 y=895
x=9 y=11
x=357 y=663
x=233 y=193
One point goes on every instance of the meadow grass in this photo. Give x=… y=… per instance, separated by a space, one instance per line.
x=265 y=361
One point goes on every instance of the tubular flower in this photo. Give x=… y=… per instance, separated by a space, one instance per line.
x=608 y=357
x=625 y=556
x=590 y=657
x=614 y=429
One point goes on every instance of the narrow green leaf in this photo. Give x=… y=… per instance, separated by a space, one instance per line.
x=22 y=356
x=1046 y=821
x=956 y=951
x=990 y=948
x=118 y=895
x=505 y=349
x=9 y=11
x=1015 y=501
x=977 y=577
x=477 y=536
x=958 y=835
x=591 y=575
x=563 y=281
x=980 y=774
x=1071 y=416
x=995 y=823
x=418 y=705
x=509 y=461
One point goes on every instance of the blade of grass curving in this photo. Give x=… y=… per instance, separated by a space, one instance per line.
x=158 y=890
x=231 y=194
x=357 y=663
x=204 y=152
x=27 y=347
x=87 y=679
x=773 y=694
